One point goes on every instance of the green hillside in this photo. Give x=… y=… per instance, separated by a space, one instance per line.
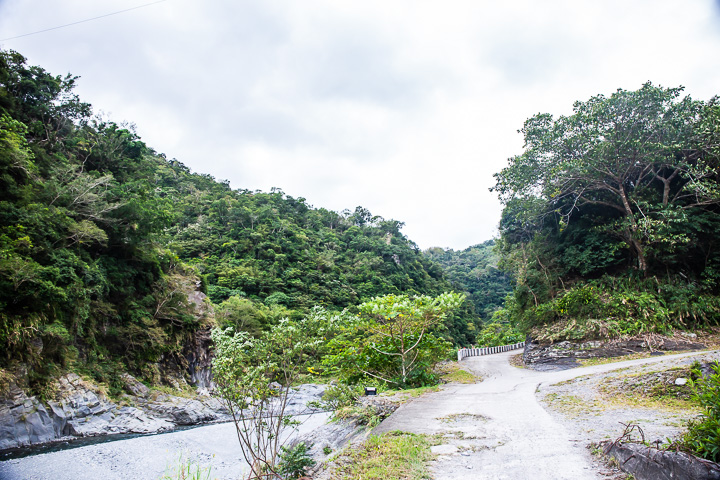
x=104 y=242
x=475 y=271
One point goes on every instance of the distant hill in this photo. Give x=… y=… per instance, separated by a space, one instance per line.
x=475 y=271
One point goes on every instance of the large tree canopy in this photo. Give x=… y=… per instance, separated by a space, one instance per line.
x=647 y=156
x=611 y=215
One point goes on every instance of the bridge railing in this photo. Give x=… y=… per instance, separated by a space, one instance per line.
x=474 y=352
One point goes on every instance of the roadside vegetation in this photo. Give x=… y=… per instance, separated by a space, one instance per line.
x=703 y=436
x=396 y=455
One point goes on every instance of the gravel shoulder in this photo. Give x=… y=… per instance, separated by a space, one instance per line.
x=597 y=407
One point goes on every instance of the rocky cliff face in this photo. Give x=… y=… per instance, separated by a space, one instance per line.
x=198 y=355
x=82 y=410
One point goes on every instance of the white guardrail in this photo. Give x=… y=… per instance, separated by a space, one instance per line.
x=475 y=352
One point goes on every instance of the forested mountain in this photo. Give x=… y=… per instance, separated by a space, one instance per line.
x=104 y=241
x=612 y=215
x=475 y=271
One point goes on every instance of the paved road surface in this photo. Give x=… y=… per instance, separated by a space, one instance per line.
x=496 y=429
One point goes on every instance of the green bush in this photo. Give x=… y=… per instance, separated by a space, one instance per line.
x=340 y=395
x=703 y=436
x=613 y=307
x=496 y=334
x=391 y=342
x=294 y=461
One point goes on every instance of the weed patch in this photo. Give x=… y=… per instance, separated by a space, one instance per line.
x=452 y=373
x=395 y=455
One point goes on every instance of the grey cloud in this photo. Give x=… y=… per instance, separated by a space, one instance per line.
x=356 y=68
x=531 y=59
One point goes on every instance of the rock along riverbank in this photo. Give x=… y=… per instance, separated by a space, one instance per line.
x=211 y=446
x=80 y=409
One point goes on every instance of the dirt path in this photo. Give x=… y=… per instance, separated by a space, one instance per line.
x=496 y=429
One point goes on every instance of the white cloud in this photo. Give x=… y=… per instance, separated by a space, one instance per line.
x=404 y=107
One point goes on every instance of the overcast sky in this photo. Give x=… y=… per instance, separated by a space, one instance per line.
x=404 y=107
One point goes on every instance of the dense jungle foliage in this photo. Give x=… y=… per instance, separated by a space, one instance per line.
x=611 y=217
x=475 y=271
x=104 y=242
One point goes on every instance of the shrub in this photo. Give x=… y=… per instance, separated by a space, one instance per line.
x=294 y=461
x=495 y=334
x=340 y=395
x=614 y=307
x=703 y=436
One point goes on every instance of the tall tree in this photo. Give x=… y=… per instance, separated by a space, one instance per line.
x=647 y=156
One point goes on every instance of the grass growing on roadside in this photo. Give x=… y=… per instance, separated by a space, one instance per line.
x=410 y=393
x=654 y=390
x=569 y=405
x=186 y=469
x=395 y=455
x=366 y=415
x=455 y=374
x=451 y=372
x=460 y=376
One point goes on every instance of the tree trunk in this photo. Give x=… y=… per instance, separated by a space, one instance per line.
x=632 y=231
x=642 y=260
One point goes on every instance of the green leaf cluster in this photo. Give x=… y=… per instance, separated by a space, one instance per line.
x=703 y=436
x=393 y=341
x=294 y=461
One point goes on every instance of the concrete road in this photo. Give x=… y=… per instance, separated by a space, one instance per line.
x=496 y=429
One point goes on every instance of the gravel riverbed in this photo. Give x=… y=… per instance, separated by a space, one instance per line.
x=147 y=457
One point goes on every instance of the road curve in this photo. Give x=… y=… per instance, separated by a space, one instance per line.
x=496 y=429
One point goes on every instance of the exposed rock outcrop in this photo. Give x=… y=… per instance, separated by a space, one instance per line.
x=24 y=420
x=647 y=463
x=81 y=410
x=198 y=354
x=564 y=355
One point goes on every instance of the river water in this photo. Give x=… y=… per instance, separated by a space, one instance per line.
x=147 y=457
